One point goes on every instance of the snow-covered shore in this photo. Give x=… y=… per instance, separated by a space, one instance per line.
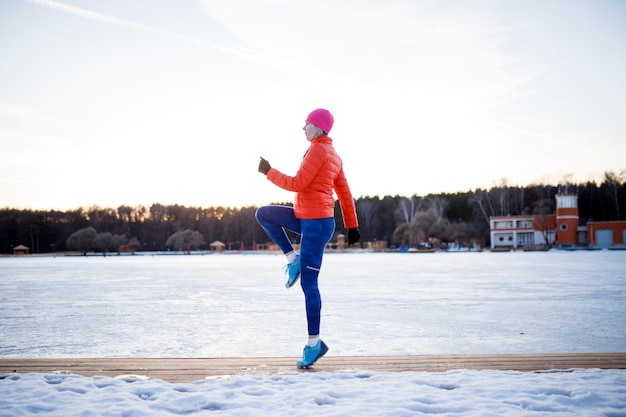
x=360 y=393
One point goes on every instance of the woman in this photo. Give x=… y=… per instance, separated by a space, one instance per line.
x=312 y=216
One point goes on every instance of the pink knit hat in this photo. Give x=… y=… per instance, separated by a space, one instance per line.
x=322 y=119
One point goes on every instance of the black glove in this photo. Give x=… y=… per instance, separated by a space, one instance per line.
x=264 y=166
x=353 y=236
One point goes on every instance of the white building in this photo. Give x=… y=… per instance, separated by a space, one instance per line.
x=522 y=231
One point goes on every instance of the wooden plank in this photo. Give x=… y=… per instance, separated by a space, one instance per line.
x=193 y=369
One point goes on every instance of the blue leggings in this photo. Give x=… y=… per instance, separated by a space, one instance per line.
x=315 y=234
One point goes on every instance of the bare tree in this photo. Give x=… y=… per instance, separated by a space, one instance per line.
x=185 y=240
x=407 y=207
x=367 y=209
x=402 y=234
x=499 y=198
x=438 y=206
x=481 y=200
x=543 y=188
x=82 y=240
x=427 y=224
x=545 y=223
x=102 y=242
x=614 y=182
x=497 y=201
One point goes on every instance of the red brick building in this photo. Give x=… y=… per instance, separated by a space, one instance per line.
x=607 y=234
x=556 y=230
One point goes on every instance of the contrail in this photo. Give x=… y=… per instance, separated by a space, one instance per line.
x=275 y=62
x=99 y=17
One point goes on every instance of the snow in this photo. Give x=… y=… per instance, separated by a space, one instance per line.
x=374 y=304
x=453 y=393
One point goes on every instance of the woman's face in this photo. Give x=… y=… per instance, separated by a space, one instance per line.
x=309 y=131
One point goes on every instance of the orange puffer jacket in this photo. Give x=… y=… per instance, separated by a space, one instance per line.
x=320 y=173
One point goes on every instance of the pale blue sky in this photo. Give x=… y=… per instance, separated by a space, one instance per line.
x=153 y=101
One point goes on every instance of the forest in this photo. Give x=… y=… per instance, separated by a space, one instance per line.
x=461 y=218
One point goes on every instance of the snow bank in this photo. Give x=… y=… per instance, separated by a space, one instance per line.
x=453 y=393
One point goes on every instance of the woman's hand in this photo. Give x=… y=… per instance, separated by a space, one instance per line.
x=264 y=166
x=353 y=236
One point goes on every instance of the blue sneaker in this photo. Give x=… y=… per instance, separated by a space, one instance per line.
x=312 y=354
x=293 y=270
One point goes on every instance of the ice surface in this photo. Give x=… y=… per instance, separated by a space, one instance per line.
x=373 y=304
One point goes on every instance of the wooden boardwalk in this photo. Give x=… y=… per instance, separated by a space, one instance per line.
x=194 y=369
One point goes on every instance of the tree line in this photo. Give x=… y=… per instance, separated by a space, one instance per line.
x=461 y=217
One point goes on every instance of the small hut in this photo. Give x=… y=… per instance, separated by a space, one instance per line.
x=21 y=250
x=217 y=246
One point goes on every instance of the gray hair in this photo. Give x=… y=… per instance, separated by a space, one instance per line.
x=318 y=132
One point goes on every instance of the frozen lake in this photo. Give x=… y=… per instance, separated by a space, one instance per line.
x=374 y=304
